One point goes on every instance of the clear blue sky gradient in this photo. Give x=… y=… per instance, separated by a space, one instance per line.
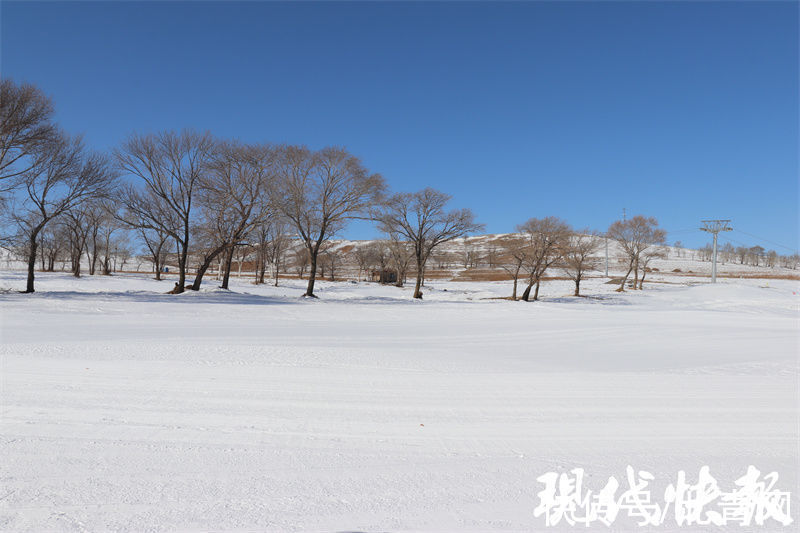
x=681 y=111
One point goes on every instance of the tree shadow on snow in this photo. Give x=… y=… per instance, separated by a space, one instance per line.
x=188 y=297
x=591 y=299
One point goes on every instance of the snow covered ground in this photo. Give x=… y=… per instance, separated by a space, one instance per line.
x=127 y=409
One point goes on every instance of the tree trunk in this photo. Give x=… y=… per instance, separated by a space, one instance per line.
x=401 y=276
x=312 y=272
x=32 y=258
x=183 y=253
x=277 y=272
x=94 y=254
x=228 y=263
x=180 y=285
x=76 y=263
x=262 y=272
x=628 y=273
x=578 y=285
x=42 y=255
x=201 y=270
x=198 y=278
x=157 y=261
x=536 y=292
x=526 y=294
x=516 y=279
x=420 y=274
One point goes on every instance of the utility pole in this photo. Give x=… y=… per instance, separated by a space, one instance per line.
x=624 y=216
x=714 y=227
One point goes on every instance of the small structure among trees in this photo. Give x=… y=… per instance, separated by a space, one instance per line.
x=384 y=276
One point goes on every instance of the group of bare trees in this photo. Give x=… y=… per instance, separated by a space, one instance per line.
x=46 y=173
x=541 y=245
x=196 y=199
x=756 y=256
x=546 y=244
x=200 y=202
x=89 y=228
x=214 y=197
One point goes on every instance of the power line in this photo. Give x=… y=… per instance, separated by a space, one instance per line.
x=734 y=241
x=687 y=230
x=766 y=240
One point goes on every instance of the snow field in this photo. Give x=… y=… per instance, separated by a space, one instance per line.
x=127 y=409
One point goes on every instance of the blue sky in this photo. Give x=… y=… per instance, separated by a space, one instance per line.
x=681 y=111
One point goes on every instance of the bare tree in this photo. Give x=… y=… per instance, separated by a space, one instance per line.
x=300 y=255
x=755 y=254
x=76 y=224
x=578 y=256
x=51 y=244
x=727 y=252
x=471 y=255
x=741 y=254
x=706 y=252
x=329 y=260
x=383 y=257
x=277 y=246
x=233 y=200
x=364 y=255
x=63 y=176
x=421 y=218
x=772 y=258
x=644 y=261
x=95 y=217
x=108 y=229
x=25 y=125
x=320 y=192
x=169 y=166
x=634 y=236
x=122 y=252
x=272 y=243
x=155 y=241
x=546 y=238
x=492 y=253
x=401 y=253
x=513 y=254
